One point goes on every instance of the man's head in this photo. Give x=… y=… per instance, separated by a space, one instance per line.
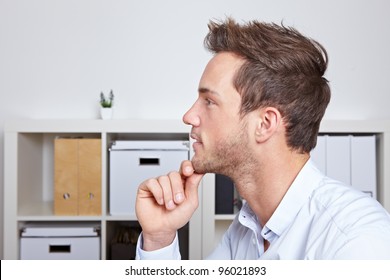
x=259 y=72
x=281 y=69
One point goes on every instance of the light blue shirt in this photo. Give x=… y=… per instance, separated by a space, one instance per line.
x=318 y=218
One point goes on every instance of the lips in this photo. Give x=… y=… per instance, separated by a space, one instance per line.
x=197 y=139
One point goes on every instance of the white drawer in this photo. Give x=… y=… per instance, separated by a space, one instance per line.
x=59 y=242
x=55 y=248
x=130 y=166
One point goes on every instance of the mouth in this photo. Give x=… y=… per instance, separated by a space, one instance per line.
x=197 y=140
x=195 y=137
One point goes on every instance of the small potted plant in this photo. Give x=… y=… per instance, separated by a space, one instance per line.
x=106 y=104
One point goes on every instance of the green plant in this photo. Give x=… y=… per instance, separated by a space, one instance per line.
x=107 y=102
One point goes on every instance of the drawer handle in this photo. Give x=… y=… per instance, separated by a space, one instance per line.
x=59 y=248
x=149 y=161
x=66 y=196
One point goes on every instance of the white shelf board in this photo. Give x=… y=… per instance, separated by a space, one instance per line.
x=121 y=218
x=96 y=126
x=44 y=212
x=225 y=217
x=355 y=126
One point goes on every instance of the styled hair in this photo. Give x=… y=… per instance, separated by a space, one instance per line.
x=282 y=69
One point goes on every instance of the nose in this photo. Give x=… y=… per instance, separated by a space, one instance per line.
x=191 y=117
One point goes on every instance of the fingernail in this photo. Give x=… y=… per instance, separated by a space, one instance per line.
x=179 y=197
x=170 y=204
x=188 y=169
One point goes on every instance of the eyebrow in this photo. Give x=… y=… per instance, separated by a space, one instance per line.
x=207 y=90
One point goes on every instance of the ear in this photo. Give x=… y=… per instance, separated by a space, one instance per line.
x=269 y=120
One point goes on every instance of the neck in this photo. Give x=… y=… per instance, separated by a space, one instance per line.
x=264 y=189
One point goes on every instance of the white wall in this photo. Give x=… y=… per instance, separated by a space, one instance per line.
x=57 y=55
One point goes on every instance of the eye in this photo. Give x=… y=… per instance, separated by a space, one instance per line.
x=209 y=102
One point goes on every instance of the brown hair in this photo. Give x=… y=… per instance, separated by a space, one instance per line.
x=282 y=69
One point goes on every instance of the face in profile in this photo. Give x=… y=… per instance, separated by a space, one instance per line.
x=220 y=134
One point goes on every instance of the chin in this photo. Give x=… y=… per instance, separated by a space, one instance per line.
x=203 y=166
x=200 y=165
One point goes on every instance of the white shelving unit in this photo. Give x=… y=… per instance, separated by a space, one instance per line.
x=215 y=225
x=28 y=175
x=29 y=172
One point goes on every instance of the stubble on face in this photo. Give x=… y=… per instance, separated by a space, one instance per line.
x=230 y=155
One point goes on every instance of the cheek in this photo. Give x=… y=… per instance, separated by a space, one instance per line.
x=217 y=134
x=218 y=125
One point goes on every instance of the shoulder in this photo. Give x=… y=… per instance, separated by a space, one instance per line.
x=348 y=209
x=350 y=223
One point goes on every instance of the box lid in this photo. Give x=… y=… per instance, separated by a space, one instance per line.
x=56 y=230
x=170 y=145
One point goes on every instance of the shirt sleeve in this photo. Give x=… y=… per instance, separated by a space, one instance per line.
x=170 y=252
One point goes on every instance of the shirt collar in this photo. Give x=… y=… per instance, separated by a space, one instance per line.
x=299 y=192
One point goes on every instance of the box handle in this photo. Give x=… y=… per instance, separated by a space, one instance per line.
x=59 y=248
x=66 y=196
x=149 y=161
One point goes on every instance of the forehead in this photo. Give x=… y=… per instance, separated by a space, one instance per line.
x=220 y=70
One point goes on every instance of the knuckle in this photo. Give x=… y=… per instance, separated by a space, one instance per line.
x=163 y=179
x=172 y=174
x=150 y=182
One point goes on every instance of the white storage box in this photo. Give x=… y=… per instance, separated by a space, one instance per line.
x=132 y=162
x=60 y=242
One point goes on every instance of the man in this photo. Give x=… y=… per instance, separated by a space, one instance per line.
x=261 y=99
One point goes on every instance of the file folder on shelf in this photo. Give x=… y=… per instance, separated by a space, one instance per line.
x=77 y=176
x=363 y=164
x=350 y=159
x=338 y=158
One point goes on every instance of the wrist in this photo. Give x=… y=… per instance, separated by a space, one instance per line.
x=152 y=242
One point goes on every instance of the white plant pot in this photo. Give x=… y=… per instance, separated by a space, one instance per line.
x=106 y=113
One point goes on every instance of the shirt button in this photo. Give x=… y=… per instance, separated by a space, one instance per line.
x=254 y=241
